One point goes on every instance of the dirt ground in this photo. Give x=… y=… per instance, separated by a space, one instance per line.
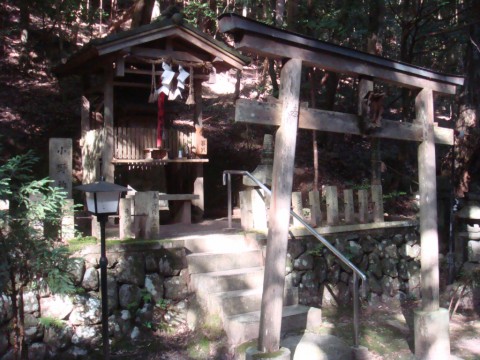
x=385 y=331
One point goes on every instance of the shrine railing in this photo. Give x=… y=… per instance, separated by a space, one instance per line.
x=131 y=142
x=227 y=180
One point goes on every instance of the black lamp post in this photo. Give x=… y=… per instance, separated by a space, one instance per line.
x=102 y=200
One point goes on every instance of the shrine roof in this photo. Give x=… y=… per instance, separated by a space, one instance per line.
x=266 y=40
x=160 y=39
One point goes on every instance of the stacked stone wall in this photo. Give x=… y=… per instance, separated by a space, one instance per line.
x=144 y=287
x=390 y=258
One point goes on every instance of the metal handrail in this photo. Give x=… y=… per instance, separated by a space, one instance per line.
x=227 y=180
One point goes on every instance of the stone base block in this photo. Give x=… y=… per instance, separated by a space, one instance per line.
x=255 y=354
x=432 y=340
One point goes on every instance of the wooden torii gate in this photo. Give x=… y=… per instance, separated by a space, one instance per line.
x=431 y=322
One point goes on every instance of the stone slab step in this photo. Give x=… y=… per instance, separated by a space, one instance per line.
x=312 y=347
x=218 y=243
x=317 y=347
x=245 y=301
x=210 y=262
x=244 y=327
x=227 y=280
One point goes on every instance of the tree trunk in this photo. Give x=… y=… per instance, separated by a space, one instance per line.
x=469 y=111
x=374 y=46
x=330 y=81
x=142 y=12
x=24 y=15
x=292 y=14
x=313 y=103
x=279 y=10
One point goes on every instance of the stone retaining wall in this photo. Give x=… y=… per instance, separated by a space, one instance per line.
x=389 y=257
x=144 y=286
x=148 y=285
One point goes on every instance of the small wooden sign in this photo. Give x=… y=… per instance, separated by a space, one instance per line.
x=201 y=142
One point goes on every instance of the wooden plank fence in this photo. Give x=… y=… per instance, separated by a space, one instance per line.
x=355 y=207
x=130 y=142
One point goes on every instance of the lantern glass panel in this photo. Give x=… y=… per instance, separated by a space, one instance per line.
x=90 y=198
x=107 y=202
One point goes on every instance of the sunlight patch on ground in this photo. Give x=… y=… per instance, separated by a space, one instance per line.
x=224 y=84
x=470 y=345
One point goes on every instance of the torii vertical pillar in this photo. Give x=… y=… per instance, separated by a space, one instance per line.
x=431 y=323
x=279 y=216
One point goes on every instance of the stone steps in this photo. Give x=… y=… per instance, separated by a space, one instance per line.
x=227 y=280
x=237 y=302
x=217 y=243
x=244 y=327
x=211 y=262
x=230 y=284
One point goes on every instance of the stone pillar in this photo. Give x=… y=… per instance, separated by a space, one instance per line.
x=362 y=206
x=377 y=200
x=147 y=218
x=297 y=207
x=332 y=204
x=60 y=164
x=68 y=220
x=263 y=172
x=315 y=209
x=125 y=221
x=198 y=205
x=246 y=209
x=259 y=209
x=348 y=201
x=95 y=227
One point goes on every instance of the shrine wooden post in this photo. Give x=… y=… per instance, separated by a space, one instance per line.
x=431 y=323
x=108 y=170
x=282 y=180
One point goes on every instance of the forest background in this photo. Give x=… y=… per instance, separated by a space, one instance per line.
x=443 y=35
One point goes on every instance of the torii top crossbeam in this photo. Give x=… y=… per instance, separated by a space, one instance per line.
x=276 y=43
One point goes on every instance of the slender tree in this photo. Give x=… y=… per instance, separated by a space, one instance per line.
x=29 y=256
x=469 y=110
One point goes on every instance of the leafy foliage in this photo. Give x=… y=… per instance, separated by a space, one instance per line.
x=32 y=255
x=198 y=12
x=51 y=322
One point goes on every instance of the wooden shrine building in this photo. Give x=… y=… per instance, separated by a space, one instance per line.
x=296 y=51
x=134 y=82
